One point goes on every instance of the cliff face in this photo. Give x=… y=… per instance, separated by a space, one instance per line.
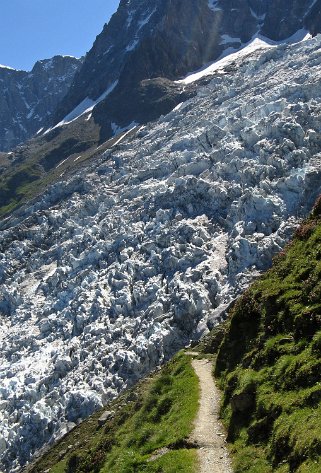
x=28 y=99
x=146 y=40
x=283 y=18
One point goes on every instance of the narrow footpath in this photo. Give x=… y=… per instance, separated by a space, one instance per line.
x=209 y=433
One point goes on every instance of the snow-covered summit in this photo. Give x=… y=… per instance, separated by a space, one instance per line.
x=111 y=271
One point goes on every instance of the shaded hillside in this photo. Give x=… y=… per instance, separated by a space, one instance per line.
x=269 y=363
x=32 y=167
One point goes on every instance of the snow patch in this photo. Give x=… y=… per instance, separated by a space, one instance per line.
x=146 y=19
x=231 y=54
x=132 y=45
x=86 y=106
x=72 y=57
x=128 y=129
x=227 y=39
x=227 y=57
x=7 y=67
x=62 y=162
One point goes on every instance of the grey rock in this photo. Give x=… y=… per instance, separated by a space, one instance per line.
x=107 y=415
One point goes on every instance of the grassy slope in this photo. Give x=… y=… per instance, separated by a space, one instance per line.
x=269 y=363
x=36 y=162
x=158 y=413
x=43 y=161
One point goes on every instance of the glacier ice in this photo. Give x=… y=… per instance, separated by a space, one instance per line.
x=109 y=272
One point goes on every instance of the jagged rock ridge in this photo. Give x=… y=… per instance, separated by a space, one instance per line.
x=29 y=99
x=112 y=270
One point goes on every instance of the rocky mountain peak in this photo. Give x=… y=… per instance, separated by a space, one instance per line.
x=145 y=40
x=28 y=99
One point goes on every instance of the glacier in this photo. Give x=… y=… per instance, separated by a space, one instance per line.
x=112 y=270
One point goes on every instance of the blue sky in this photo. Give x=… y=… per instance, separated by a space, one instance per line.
x=39 y=29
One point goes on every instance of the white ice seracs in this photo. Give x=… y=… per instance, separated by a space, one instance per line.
x=110 y=272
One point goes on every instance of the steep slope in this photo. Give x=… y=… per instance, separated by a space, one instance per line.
x=29 y=99
x=111 y=271
x=270 y=360
x=129 y=75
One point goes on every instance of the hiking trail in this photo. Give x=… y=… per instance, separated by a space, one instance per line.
x=209 y=433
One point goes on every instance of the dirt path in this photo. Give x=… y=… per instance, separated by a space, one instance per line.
x=209 y=433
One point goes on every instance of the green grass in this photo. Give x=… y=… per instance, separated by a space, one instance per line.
x=182 y=460
x=269 y=364
x=157 y=414
x=165 y=418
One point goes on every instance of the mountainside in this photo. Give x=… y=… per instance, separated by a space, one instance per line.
x=29 y=99
x=169 y=38
x=145 y=429
x=112 y=270
x=151 y=201
x=269 y=363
